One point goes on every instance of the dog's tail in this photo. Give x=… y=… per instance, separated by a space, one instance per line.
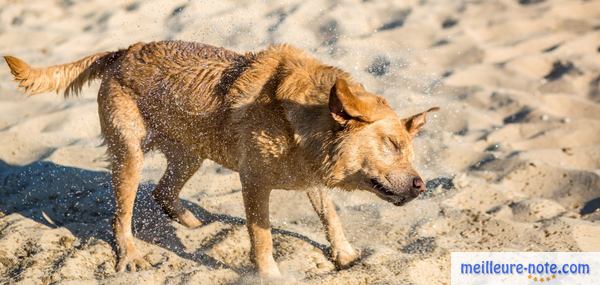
x=69 y=77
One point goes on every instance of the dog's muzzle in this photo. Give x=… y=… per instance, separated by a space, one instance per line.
x=401 y=195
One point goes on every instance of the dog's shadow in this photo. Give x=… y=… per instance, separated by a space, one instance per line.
x=83 y=202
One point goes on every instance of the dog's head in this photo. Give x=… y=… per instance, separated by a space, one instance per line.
x=373 y=146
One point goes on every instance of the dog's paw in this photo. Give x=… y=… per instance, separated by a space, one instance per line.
x=268 y=269
x=345 y=258
x=132 y=262
x=270 y=273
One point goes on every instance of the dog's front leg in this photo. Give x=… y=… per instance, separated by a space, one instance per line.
x=256 y=204
x=341 y=251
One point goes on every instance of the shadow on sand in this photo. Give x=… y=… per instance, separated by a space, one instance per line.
x=82 y=201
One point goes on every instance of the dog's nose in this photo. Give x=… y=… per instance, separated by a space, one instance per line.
x=418 y=184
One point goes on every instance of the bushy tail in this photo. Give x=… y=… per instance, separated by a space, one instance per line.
x=69 y=77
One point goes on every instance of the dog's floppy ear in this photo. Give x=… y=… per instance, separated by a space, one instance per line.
x=344 y=105
x=414 y=123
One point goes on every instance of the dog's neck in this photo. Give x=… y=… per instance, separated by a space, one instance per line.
x=303 y=93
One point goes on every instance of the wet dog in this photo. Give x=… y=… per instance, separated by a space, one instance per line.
x=279 y=117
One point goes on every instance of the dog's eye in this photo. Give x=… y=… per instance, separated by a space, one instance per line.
x=393 y=145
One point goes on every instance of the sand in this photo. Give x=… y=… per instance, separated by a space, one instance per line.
x=512 y=160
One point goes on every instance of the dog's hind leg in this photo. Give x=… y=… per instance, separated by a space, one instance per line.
x=341 y=251
x=181 y=166
x=124 y=131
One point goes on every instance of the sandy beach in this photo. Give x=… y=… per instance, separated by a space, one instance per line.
x=511 y=161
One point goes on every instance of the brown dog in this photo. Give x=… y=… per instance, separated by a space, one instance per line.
x=280 y=118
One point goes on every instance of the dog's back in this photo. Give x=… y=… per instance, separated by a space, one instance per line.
x=191 y=75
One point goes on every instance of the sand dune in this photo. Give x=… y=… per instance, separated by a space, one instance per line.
x=512 y=160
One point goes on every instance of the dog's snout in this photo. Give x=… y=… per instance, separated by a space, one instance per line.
x=417 y=184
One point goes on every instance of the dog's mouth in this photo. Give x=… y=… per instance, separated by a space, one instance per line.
x=380 y=188
x=387 y=194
